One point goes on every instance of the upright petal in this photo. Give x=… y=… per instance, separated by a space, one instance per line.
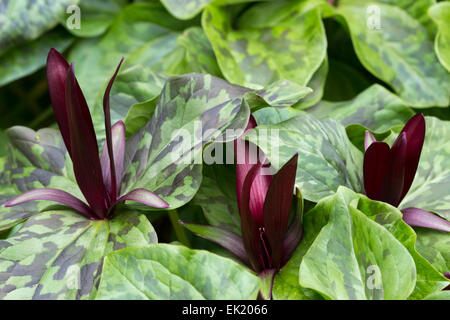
x=118 y=145
x=277 y=207
x=375 y=169
x=86 y=162
x=247 y=156
x=421 y=218
x=415 y=135
x=55 y=195
x=250 y=230
x=395 y=178
x=57 y=68
x=294 y=232
x=112 y=183
x=145 y=197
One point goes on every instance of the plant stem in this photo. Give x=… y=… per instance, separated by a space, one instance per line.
x=179 y=230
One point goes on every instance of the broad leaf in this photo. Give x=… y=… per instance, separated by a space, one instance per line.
x=398 y=53
x=59 y=254
x=327 y=159
x=353 y=257
x=164 y=271
x=435 y=247
x=217 y=197
x=95 y=17
x=375 y=108
x=22 y=21
x=192 y=110
x=28 y=57
x=416 y=9
x=292 y=49
x=440 y=13
x=140 y=29
x=286 y=283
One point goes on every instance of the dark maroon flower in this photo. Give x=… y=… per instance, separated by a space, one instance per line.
x=99 y=178
x=389 y=172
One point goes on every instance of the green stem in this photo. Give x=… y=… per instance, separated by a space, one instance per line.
x=179 y=230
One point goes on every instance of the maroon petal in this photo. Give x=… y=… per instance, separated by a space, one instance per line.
x=118 y=146
x=368 y=139
x=57 y=68
x=247 y=156
x=86 y=162
x=394 y=183
x=112 y=183
x=145 y=197
x=250 y=229
x=52 y=195
x=415 y=136
x=375 y=169
x=421 y=218
x=294 y=232
x=277 y=207
x=227 y=239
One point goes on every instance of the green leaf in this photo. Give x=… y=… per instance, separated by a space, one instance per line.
x=435 y=247
x=164 y=271
x=376 y=108
x=95 y=17
x=192 y=110
x=28 y=57
x=140 y=30
x=292 y=49
x=326 y=160
x=59 y=254
x=416 y=9
x=353 y=257
x=440 y=13
x=442 y=295
x=398 y=53
x=183 y=9
x=22 y=21
x=217 y=197
x=429 y=280
x=431 y=187
x=271 y=115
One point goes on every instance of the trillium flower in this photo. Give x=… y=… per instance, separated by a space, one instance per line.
x=99 y=178
x=389 y=172
x=264 y=202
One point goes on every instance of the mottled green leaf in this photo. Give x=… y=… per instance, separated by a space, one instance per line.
x=431 y=187
x=440 y=13
x=442 y=295
x=185 y=9
x=192 y=110
x=416 y=9
x=164 y=271
x=317 y=84
x=140 y=30
x=435 y=247
x=428 y=279
x=399 y=53
x=376 y=108
x=271 y=115
x=95 y=17
x=217 y=197
x=28 y=57
x=293 y=49
x=22 y=21
x=59 y=254
x=326 y=160
x=353 y=257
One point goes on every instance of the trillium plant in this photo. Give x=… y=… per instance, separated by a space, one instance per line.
x=99 y=178
x=389 y=172
x=269 y=236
